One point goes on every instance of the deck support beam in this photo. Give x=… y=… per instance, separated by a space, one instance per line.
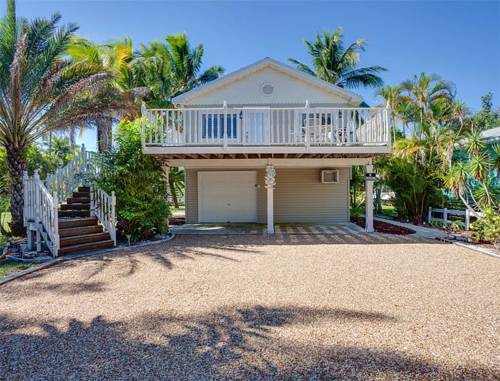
x=270 y=182
x=369 y=180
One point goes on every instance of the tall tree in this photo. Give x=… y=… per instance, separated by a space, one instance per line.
x=335 y=63
x=114 y=58
x=428 y=96
x=41 y=91
x=170 y=69
x=173 y=67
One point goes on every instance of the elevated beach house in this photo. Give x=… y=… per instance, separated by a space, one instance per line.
x=268 y=144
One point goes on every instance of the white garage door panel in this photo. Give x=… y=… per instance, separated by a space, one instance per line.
x=229 y=196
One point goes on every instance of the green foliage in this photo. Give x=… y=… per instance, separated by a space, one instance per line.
x=337 y=64
x=138 y=182
x=487 y=228
x=488 y=117
x=414 y=186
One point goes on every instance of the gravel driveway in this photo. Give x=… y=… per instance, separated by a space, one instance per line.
x=363 y=307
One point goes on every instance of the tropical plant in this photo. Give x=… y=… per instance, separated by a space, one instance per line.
x=176 y=184
x=487 y=117
x=169 y=69
x=430 y=99
x=474 y=176
x=173 y=67
x=114 y=58
x=41 y=91
x=334 y=63
x=138 y=182
x=487 y=227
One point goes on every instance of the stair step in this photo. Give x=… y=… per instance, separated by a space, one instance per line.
x=78 y=200
x=74 y=213
x=80 y=230
x=81 y=194
x=83 y=189
x=76 y=222
x=84 y=238
x=85 y=247
x=75 y=207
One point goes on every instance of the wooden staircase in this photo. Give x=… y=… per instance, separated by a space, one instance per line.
x=78 y=231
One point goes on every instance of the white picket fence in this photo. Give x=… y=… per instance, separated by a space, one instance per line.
x=467 y=214
x=42 y=200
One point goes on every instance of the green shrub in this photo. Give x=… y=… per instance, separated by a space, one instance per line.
x=415 y=188
x=456 y=226
x=138 y=182
x=487 y=228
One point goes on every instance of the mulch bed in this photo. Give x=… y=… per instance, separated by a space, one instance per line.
x=383 y=227
x=177 y=220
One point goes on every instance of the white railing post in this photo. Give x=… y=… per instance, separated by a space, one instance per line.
x=112 y=228
x=84 y=159
x=467 y=219
x=55 y=226
x=143 y=124
x=224 y=124
x=429 y=215
x=26 y=198
x=307 y=125
x=445 y=216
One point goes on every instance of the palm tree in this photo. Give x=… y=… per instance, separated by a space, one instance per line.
x=174 y=67
x=115 y=58
x=170 y=69
x=336 y=64
x=428 y=94
x=40 y=91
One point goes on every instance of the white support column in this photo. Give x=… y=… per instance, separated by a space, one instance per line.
x=369 y=180
x=270 y=182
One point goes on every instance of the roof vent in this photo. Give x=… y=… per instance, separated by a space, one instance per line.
x=267 y=89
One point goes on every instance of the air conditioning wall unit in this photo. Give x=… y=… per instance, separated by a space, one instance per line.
x=330 y=176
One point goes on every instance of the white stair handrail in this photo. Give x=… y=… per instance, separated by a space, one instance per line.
x=41 y=210
x=66 y=179
x=103 y=205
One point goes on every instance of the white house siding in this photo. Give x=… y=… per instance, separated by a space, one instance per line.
x=299 y=196
x=247 y=91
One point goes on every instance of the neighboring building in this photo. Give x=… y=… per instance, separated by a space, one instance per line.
x=492 y=135
x=268 y=144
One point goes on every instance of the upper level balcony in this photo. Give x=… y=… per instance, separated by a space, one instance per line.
x=266 y=130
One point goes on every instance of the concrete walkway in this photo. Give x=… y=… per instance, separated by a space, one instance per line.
x=420 y=231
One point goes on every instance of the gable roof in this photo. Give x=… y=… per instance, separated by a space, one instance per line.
x=263 y=63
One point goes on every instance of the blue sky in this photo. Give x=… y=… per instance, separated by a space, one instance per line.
x=458 y=40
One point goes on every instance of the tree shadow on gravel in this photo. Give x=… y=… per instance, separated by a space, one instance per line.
x=232 y=343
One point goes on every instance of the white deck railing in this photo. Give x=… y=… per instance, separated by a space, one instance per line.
x=41 y=213
x=264 y=126
x=102 y=205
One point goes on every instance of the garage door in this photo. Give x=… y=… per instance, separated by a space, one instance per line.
x=229 y=196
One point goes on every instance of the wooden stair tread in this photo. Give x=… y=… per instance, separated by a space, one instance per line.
x=76 y=222
x=85 y=247
x=84 y=238
x=75 y=206
x=74 y=213
x=79 y=230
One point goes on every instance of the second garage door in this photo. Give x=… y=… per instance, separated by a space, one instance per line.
x=229 y=196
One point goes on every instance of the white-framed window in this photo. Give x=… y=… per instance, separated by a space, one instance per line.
x=330 y=176
x=212 y=125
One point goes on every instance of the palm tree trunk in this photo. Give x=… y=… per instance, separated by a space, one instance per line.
x=171 y=185
x=104 y=135
x=16 y=163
